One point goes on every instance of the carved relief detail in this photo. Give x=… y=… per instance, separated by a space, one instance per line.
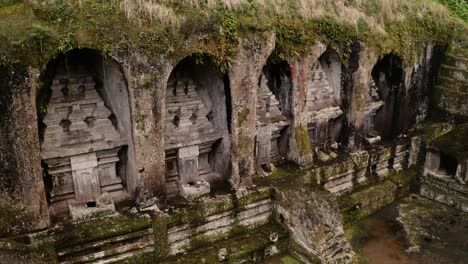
x=81 y=144
x=321 y=108
x=270 y=124
x=190 y=137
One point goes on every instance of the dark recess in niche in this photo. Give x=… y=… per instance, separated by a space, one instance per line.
x=278 y=74
x=448 y=164
x=388 y=76
x=278 y=79
x=227 y=94
x=121 y=165
x=48 y=184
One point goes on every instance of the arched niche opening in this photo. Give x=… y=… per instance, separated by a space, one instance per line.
x=441 y=163
x=448 y=165
x=273 y=115
x=197 y=135
x=85 y=133
x=324 y=102
x=388 y=81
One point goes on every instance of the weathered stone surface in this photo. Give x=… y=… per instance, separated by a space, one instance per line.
x=301 y=150
x=243 y=78
x=446 y=190
x=197 y=139
x=430 y=226
x=314 y=221
x=186 y=130
x=78 y=121
x=445 y=169
x=22 y=196
x=271 y=137
x=451 y=93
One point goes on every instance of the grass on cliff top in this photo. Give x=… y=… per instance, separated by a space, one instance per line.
x=34 y=31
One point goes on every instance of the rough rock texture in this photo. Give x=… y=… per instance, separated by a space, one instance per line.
x=335 y=105
x=434 y=230
x=197 y=138
x=243 y=79
x=301 y=146
x=452 y=87
x=446 y=168
x=22 y=197
x=147 y=80
x=314 y=221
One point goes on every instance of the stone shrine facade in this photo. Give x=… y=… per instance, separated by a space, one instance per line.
x=271 y=125
x=190 y=139
x=81 y=148
x=324 y=111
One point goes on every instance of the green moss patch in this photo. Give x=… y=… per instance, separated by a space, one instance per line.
x=248 y=246
x=454 y=142
x=33 y=32
x=100 y=229
x=303 y=142
x=367 y=199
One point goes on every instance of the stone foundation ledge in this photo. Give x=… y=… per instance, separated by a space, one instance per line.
x=370 y=198
x=445 y=190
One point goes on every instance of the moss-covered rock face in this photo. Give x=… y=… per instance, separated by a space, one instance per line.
x=303 y=142
x=22 y=197
x=148 y=38
x=100 y=229
x=252 y=246
x=451 y=91
x=34 y=31
x=372 y=197
x=454 y=142
x=428 y=224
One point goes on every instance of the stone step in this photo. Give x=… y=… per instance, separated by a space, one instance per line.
x=448 y=91
x=103 y=238
x=243 y=248
x=454 y=84
x=453 y=72
x=107 y=243
x=111 y=252
x=459 y=51
x=456 y=61
x=451 y=100
x=334 y=249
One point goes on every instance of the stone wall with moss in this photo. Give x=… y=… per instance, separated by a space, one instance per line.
x=148 y=41
x=451 y=91
x=22 y=197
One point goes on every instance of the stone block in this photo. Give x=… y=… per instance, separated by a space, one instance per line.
x=432 y=161
x=82 y=211
x=195 y=190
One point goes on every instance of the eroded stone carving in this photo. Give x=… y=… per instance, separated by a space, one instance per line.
x=373 y=104
x=271 y=123
x=190 y=138
x=81 y=145
x=323 y=110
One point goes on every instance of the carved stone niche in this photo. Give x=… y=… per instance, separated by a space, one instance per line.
x=440 y=164
x=323 y=101
x=373 y=104
x=81 y=148
x=86 y=144
x=196 y=132
x=271 y=124
x=388 y=78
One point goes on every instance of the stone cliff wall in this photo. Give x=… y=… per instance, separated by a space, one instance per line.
x=22 y=199
x=348 y=106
